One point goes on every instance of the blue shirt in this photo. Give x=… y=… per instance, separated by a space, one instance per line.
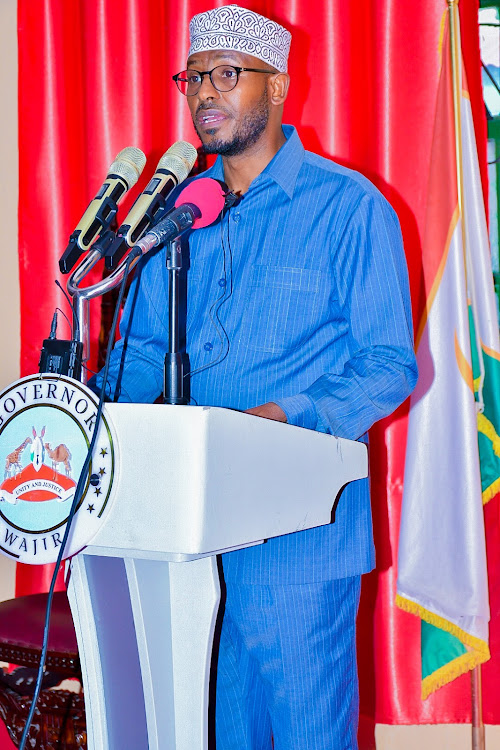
x=299 y=296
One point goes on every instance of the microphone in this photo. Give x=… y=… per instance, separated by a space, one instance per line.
x=197 y=206
x=123 y=173
x=173 y=168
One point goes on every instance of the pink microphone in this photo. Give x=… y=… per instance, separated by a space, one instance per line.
x=207 y=195
x=197 y=206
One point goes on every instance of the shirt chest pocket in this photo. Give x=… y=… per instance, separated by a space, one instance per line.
x=282 y=307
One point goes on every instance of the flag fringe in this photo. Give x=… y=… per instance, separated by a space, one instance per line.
x=452 y=670
x=439 y=622
x=490 y=492
x=480 y=651
x=486 y=428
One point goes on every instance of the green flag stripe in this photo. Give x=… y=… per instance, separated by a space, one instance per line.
x=491 y=391
x=439 y=648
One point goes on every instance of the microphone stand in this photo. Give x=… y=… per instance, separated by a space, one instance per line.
x=82 y=296
x=173 y=378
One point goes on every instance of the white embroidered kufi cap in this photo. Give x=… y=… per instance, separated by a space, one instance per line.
x=233 y=28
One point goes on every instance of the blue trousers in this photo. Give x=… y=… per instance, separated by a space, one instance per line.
x=287 y=667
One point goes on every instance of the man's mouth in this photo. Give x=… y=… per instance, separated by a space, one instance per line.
x=208 y=118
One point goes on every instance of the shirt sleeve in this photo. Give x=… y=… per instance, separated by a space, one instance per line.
x=370 y=274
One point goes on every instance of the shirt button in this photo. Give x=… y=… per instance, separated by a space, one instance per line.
x=236 y=216
x=208 y=346
x=222 y=282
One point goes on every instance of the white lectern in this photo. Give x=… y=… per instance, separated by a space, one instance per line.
x=190 y=482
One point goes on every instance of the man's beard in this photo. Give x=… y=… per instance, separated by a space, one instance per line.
x=245 y=135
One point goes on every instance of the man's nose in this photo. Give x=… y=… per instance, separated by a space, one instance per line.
x=207 y=90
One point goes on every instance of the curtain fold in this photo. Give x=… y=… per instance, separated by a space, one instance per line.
x=95 y=76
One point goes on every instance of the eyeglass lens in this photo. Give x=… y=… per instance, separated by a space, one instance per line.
x=223 y=77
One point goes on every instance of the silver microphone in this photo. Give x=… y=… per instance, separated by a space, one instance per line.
x=122 y=174
x=173 y=168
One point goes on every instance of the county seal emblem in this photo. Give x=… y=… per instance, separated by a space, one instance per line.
x=46 y=425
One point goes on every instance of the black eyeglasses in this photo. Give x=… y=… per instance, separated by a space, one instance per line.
x=223 y=78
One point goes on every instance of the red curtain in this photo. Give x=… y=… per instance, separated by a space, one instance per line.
x=95 y=77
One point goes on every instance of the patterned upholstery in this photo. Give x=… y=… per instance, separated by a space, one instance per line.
x=59 y=722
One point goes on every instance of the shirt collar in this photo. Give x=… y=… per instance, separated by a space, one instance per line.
x=283 y=168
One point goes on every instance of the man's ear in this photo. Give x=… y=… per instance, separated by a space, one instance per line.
x=279 y=87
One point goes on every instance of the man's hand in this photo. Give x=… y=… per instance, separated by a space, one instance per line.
x=268 y=411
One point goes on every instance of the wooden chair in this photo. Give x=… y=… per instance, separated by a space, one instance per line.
x=59 y=721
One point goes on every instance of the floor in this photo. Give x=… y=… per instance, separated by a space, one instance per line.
x=430 y=737
x=385 y=737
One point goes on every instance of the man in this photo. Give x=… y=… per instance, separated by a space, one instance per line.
x=297 y=310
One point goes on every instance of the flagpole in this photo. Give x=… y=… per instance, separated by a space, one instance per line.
x=478 y=735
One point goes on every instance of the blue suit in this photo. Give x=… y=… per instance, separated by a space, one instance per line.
x=287 y=665
x=298 y=296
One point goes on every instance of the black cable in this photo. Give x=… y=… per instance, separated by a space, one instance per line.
x=216 y=306
x=72 y=308
x=58 y=309
x=231 y=200
x=89 y=369
x=78 y=493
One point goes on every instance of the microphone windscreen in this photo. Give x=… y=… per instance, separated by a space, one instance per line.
x=179 y=159
x=128 y=165
x=207 y=195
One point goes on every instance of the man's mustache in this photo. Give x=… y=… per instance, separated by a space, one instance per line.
x=203 y=107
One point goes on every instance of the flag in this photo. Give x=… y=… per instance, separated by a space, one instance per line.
x=453 y=446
